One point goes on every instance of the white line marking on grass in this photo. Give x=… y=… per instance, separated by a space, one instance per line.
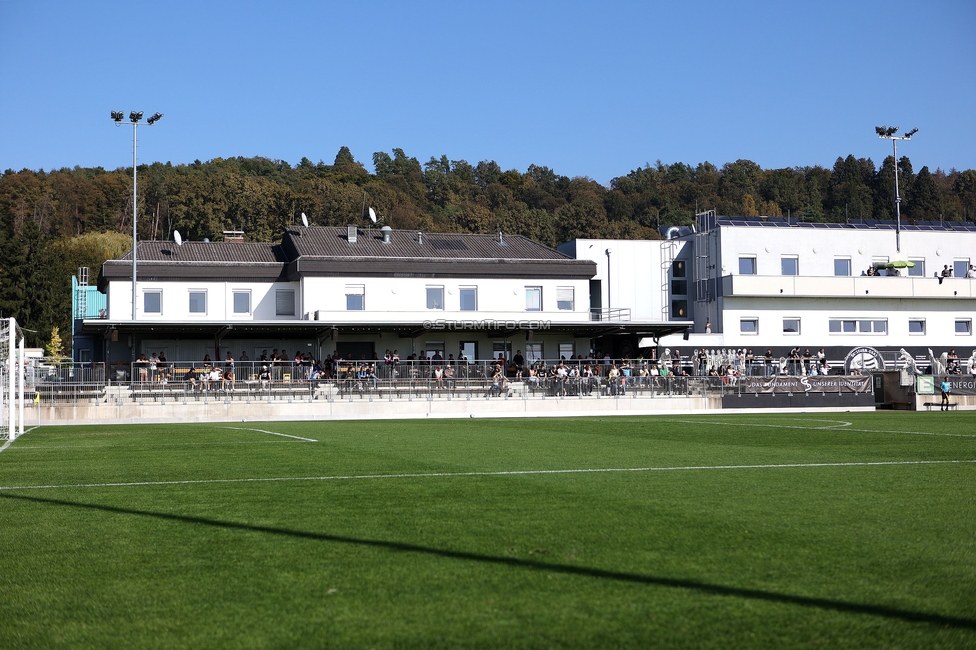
x=525 y=472
x=833 y=428
x=152 y=444
x=274 y=433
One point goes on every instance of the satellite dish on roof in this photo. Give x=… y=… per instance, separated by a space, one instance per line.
x=372 y=214
x=304 y=220
x=177 y=237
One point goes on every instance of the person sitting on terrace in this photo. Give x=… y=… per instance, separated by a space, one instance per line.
x=215 y=377
x=265 y=377
x=191 y=379
x=227 y=380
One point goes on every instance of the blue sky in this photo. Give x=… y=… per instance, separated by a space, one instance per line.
x=588 y=89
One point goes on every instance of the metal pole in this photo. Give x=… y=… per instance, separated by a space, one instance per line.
x=894 y=147
x=135 y=186
x=11 y=360
x=20 y=373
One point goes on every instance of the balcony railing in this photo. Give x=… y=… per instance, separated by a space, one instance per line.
x=846 y=287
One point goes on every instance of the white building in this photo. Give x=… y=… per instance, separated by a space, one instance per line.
x=357 y=293
x=770 y=283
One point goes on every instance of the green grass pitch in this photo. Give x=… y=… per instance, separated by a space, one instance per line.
x=802 y=530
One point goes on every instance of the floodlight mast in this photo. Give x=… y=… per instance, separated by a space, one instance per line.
x=135 y=118
x=888 y=133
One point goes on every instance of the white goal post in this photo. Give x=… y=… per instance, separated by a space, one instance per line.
x=11 y=379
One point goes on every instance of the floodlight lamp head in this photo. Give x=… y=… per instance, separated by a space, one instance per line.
x=154 y=118
x=118 y=116
x=911 y=133
x=135 y=116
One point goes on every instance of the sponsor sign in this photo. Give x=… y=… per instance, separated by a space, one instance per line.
x=811 y=384
x=959 y=384
x=925 y=385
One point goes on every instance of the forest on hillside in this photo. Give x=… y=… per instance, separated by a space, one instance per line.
x=53 y=222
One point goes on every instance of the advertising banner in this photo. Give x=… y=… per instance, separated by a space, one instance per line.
x=813 y=383
x=959 y=384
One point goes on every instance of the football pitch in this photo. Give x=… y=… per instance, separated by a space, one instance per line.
x=730 y=530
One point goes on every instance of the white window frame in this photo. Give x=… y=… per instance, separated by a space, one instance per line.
x=358 y=290
x=461 y=291
x=534 y=351
x=755 y=326
x=157 y=292
x=533 y=290
x=968 y=322
x=796 y=264
x=755 y=264
x=437 y=291
x=190 y=293
x=562 y=303
x=849 y=267
x=919 y=269
x=240 y=292
x=855 y=323
x=921 y=322
x=790 y=319
x=960 y=260
x=294 y=302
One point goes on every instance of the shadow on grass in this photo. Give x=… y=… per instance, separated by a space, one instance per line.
x=693 y=585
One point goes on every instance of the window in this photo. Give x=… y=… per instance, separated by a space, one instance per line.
x=919 y=269
x=857 y=326
x=533 y=352
x=679 y=310
x=84 y=355
x=842 y=266
x=564 y=298
x=872 y=326
x=960 y=268
x=435 y=297
x=198 y=302
x=152 y=302
x=838 y=326
x=285 y=302
x=679 y=269
x=242 y=302
x=503 y=348
x=916 y=326
x=567 y=349
x=355 y=297
x=679 y=287
x=747 y=266
x=469 y=298
x=749 y=326
x=790 y=265
x=791 y=326
x=533 y=298
x=964 y=326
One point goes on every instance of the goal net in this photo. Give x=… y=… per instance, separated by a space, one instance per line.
x=11 y=379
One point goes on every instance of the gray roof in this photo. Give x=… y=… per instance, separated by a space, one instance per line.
x=198 y=251
x=411 y=244
x=327 y=251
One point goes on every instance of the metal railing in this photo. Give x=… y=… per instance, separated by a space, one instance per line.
x=184 y=381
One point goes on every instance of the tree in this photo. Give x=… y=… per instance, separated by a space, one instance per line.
x=54 y=347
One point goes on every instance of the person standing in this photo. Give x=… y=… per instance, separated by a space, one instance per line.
x=944 y=387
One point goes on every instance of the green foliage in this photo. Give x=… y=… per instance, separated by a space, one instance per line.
x=53 y=222
x=55 y=347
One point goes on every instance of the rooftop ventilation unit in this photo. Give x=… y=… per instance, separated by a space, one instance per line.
x=352 y=232
x=387 y=231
